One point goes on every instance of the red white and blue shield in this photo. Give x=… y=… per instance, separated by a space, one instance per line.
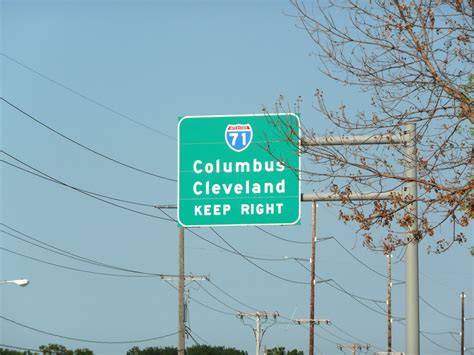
x=238 y=136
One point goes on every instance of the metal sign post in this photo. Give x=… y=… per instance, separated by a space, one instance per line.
x=410 y=188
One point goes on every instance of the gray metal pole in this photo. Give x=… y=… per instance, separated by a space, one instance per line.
x=312 y=281
x=462 y=322
x=412 y=283
x=389 y=302
x=258 y=330
x=181 y=340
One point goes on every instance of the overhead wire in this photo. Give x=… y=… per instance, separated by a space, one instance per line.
x=338 y=286
x=326 y=330
x=236 y=252
x=232 y=297
x=162 y=210
x=369 y=268
x=29 y=349
x=93 y=341
x=362 y=263
x=87 y=98
x=351 y=336
x=188 y=332
x=65 y=253
x=438 y=345
x=281 y=316
x=437 y=310
x=218 y=300
x=203 y=304
x=83 y=145
x=256 y=265
x=198 y=336
x=280 y=238
x=72 y=268
x=90 y=194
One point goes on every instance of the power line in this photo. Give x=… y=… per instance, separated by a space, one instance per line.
x=256 y=265
x=90 y=194
x=281 y=238
x=361 y=262
x=437 y=310
x=45 y=176
x=320 y=336
x=218 y=300
x=353 y=337
x=339 y=288
x=226 y=305
x=382 y=275
x=326 y=330
x=48 y=177
x=357 y=299
x=27 y=349
x=203 y=304
x=220 y=246
x=84 y=146
x=232 y=297
x=189 y=333
x=86 y=97
x=66 y=253
x=69 y=267
x=342 y=289
x=85 y=340
x=438 y=345
x=197 y=335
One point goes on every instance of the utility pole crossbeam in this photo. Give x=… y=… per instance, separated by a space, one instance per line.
x=258 y=325
x=190 y=278
x=354 y=347
x=313 y=321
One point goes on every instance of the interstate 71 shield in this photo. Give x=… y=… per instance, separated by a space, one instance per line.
x=238 y=136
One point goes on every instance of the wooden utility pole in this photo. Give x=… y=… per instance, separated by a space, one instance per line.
x=462 y=322
x=312 y=281
x=389 y=302
x=181 y=278
x=354 y=347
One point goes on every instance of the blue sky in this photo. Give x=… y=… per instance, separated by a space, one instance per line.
x=152 y=61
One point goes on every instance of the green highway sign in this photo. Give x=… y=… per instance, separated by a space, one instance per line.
x=238 y=170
